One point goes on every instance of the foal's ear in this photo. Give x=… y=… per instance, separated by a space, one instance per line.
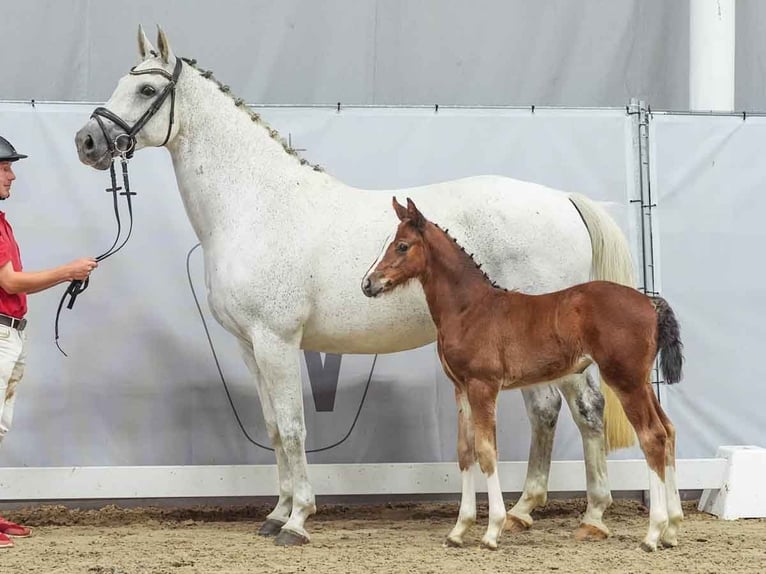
x=165 y=51
x=401 y=211
x=415 y=216
x=145 y=48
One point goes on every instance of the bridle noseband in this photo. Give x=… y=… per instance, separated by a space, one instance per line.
x=123 y=146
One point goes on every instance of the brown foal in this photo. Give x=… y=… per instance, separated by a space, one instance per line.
x=490 y=339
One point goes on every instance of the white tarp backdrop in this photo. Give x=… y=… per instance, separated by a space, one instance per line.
x=708 y=181
x=140 y=386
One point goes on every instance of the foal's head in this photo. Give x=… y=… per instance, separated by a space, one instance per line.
x=404 y=258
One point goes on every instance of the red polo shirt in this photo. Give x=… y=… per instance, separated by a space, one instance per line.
x=12 y=305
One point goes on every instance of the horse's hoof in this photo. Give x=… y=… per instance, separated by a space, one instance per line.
x=270 y=528
x=515 y=525
x=646 y=547
x=669 y=543
x=589 y=532
x=289 y=538
x=450 y=543
x=489 y=544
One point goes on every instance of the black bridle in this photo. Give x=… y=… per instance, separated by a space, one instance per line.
x=123 y=146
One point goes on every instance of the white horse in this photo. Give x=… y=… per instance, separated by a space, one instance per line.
x=283 y=276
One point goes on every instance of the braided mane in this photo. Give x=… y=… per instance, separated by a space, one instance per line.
x=255 y=117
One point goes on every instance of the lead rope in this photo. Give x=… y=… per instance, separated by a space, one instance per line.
x=77 y=286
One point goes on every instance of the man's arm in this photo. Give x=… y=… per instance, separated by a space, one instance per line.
x=33 y=281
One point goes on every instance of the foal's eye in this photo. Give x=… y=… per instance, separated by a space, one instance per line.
x=148 y=90
x=402 y=247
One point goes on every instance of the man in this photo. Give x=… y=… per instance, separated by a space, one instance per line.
x=15 y=284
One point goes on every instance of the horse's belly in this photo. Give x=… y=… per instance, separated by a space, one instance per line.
x=394 y=322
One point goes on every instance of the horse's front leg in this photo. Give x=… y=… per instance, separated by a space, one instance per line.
x=587 y=405
x=482 y=397
x=543 y=404
x=277 y=517
x=278 y=359
x=466 y=456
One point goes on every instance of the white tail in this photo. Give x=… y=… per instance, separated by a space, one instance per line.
x=611 y=262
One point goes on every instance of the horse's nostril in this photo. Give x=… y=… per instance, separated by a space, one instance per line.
x=88 y=143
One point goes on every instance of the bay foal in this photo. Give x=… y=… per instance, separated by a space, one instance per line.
x=490 y=339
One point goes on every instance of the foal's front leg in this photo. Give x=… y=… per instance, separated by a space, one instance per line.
x=482 y=397
x=466 y=459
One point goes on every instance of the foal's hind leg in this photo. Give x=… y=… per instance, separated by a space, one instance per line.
x=669 y=537
x=543 y=404
x=639 y=401
x=466 y=459
x=586 y=403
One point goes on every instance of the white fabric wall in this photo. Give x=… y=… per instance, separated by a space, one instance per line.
x=708 y=179
x=486 y=52
x=140 y=386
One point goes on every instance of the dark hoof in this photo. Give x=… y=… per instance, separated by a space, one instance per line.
x=646 y=548
x=287 y=538
x=271 y=527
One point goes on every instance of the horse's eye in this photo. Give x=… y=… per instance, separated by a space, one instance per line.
x=148 y=90
x=402 y=247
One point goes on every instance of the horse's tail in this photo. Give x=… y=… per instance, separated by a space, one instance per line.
x=669 y=344
x=611 y=262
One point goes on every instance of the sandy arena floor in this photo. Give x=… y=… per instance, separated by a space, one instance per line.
x=366 y=539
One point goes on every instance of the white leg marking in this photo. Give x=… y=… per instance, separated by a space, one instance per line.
x=467 y=516
x=658 y=512
x=496 y=511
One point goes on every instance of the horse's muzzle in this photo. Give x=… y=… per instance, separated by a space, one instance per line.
x=92 y=148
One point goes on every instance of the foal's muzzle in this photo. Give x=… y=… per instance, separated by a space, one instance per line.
x=372 y=286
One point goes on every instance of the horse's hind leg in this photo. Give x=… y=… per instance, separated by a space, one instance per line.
x=586 y=403
x=278 y=363
x=543 y=404
x=277 y=517
x=466 y=455
x=638 y=401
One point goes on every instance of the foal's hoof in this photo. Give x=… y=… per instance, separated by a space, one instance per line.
x=289 y=538
x=515 y=525
x=589 y=532
x=271 y=527
x=489 y=544
x=646 y=547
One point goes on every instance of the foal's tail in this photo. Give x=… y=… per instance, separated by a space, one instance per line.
x=669 y=344
x=611 y=262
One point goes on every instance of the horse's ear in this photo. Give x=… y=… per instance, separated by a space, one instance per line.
x=145 y=48
x=415 y=216
x=401 y=211
x=165 y=51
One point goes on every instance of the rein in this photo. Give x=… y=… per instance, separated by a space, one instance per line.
x=122 y=146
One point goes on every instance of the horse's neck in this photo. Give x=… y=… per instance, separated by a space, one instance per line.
x=230 y=170
x=452 y=282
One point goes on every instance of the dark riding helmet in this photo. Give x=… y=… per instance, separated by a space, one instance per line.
x=8 y=152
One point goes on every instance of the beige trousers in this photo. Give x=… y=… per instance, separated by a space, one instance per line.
x=12 y=363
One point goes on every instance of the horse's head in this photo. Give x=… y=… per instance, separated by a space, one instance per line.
x=402 y=259
x=140 y=112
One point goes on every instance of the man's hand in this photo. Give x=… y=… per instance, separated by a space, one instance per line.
x=80 y=268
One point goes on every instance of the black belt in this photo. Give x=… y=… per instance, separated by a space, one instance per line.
x=13 y=322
